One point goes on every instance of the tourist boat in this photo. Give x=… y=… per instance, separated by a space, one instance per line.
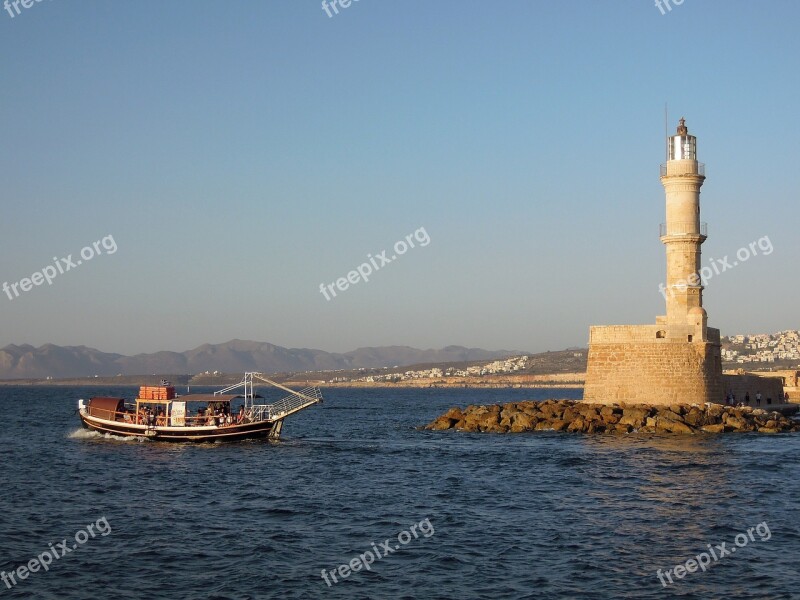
x=160 y=414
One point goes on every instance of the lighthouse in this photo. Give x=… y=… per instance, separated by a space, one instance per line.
x=678 y=359
x=682 y=235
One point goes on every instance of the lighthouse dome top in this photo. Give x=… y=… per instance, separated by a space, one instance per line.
x=682 y=146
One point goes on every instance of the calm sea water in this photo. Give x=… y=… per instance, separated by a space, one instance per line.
x=517 y=516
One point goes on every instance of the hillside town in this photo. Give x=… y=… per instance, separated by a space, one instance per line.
x=497 y=367
x=740 y=348
x=763 y=347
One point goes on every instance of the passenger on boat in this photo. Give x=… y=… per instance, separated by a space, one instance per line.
x=240 y=416
x=126 y=416
x=210 y=421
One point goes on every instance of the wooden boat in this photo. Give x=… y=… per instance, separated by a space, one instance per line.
x=159 y=414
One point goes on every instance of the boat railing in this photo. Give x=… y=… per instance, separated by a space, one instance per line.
x=131 y=418
x=286 y=406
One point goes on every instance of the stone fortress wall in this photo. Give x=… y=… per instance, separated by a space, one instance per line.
x=629 y=363
x=770 y=388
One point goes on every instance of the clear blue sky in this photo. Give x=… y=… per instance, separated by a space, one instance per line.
x=242 y=153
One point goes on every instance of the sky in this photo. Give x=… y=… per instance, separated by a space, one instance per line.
x=241 y=157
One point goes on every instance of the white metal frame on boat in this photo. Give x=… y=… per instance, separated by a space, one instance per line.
x=294 y=402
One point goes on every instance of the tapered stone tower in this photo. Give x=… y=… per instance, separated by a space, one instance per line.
x=682 y=234
x=677 y=360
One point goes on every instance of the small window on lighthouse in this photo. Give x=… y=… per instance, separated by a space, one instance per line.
x=661 y=334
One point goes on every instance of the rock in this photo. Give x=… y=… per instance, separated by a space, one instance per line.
x=496 y=428
x=663 y=425
x=596 y=427
x=633 y=421
x=559 y=425
x=530 y=408
x=611 y=410
x=671 y=415
x=694 y=417
x=551 y=411
x=523 y=422
x=578 y=424
x=678 y=409
x=737 y=423
x=442 y=423
x=454 y=413
x=675 y=427
x=636 y=412
x=718 y=428
x=569 y=414
x=467 y=426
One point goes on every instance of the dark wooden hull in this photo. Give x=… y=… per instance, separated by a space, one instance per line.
x=231 y=433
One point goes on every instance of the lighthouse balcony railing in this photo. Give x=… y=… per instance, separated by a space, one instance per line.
x=683 y=167
x=682 y=229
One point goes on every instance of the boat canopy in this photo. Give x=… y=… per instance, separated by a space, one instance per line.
x=105 y=408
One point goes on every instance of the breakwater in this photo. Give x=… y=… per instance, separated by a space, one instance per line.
x=579 y=417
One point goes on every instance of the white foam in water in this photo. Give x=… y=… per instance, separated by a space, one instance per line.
x=88 y=434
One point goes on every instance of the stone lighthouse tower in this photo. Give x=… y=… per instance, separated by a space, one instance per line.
x=677 y=360
x=682 y=234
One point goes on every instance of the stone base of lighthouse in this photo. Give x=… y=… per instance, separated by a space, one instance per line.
x=654 y=364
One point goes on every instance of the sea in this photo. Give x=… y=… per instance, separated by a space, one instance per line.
x=356 y=501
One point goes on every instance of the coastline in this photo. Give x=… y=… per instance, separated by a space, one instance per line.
x=556 y=381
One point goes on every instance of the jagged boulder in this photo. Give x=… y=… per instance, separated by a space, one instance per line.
x=523 y=422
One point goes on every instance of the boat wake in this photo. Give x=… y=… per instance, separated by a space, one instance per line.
x=86 y=434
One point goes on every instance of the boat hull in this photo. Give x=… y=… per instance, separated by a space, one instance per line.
x=230 y=433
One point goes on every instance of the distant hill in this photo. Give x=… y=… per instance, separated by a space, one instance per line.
x=236 y=356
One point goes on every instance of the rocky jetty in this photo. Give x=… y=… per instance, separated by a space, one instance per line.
x=579 y=417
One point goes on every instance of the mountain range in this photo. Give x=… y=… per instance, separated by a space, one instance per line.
x=235 y=356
